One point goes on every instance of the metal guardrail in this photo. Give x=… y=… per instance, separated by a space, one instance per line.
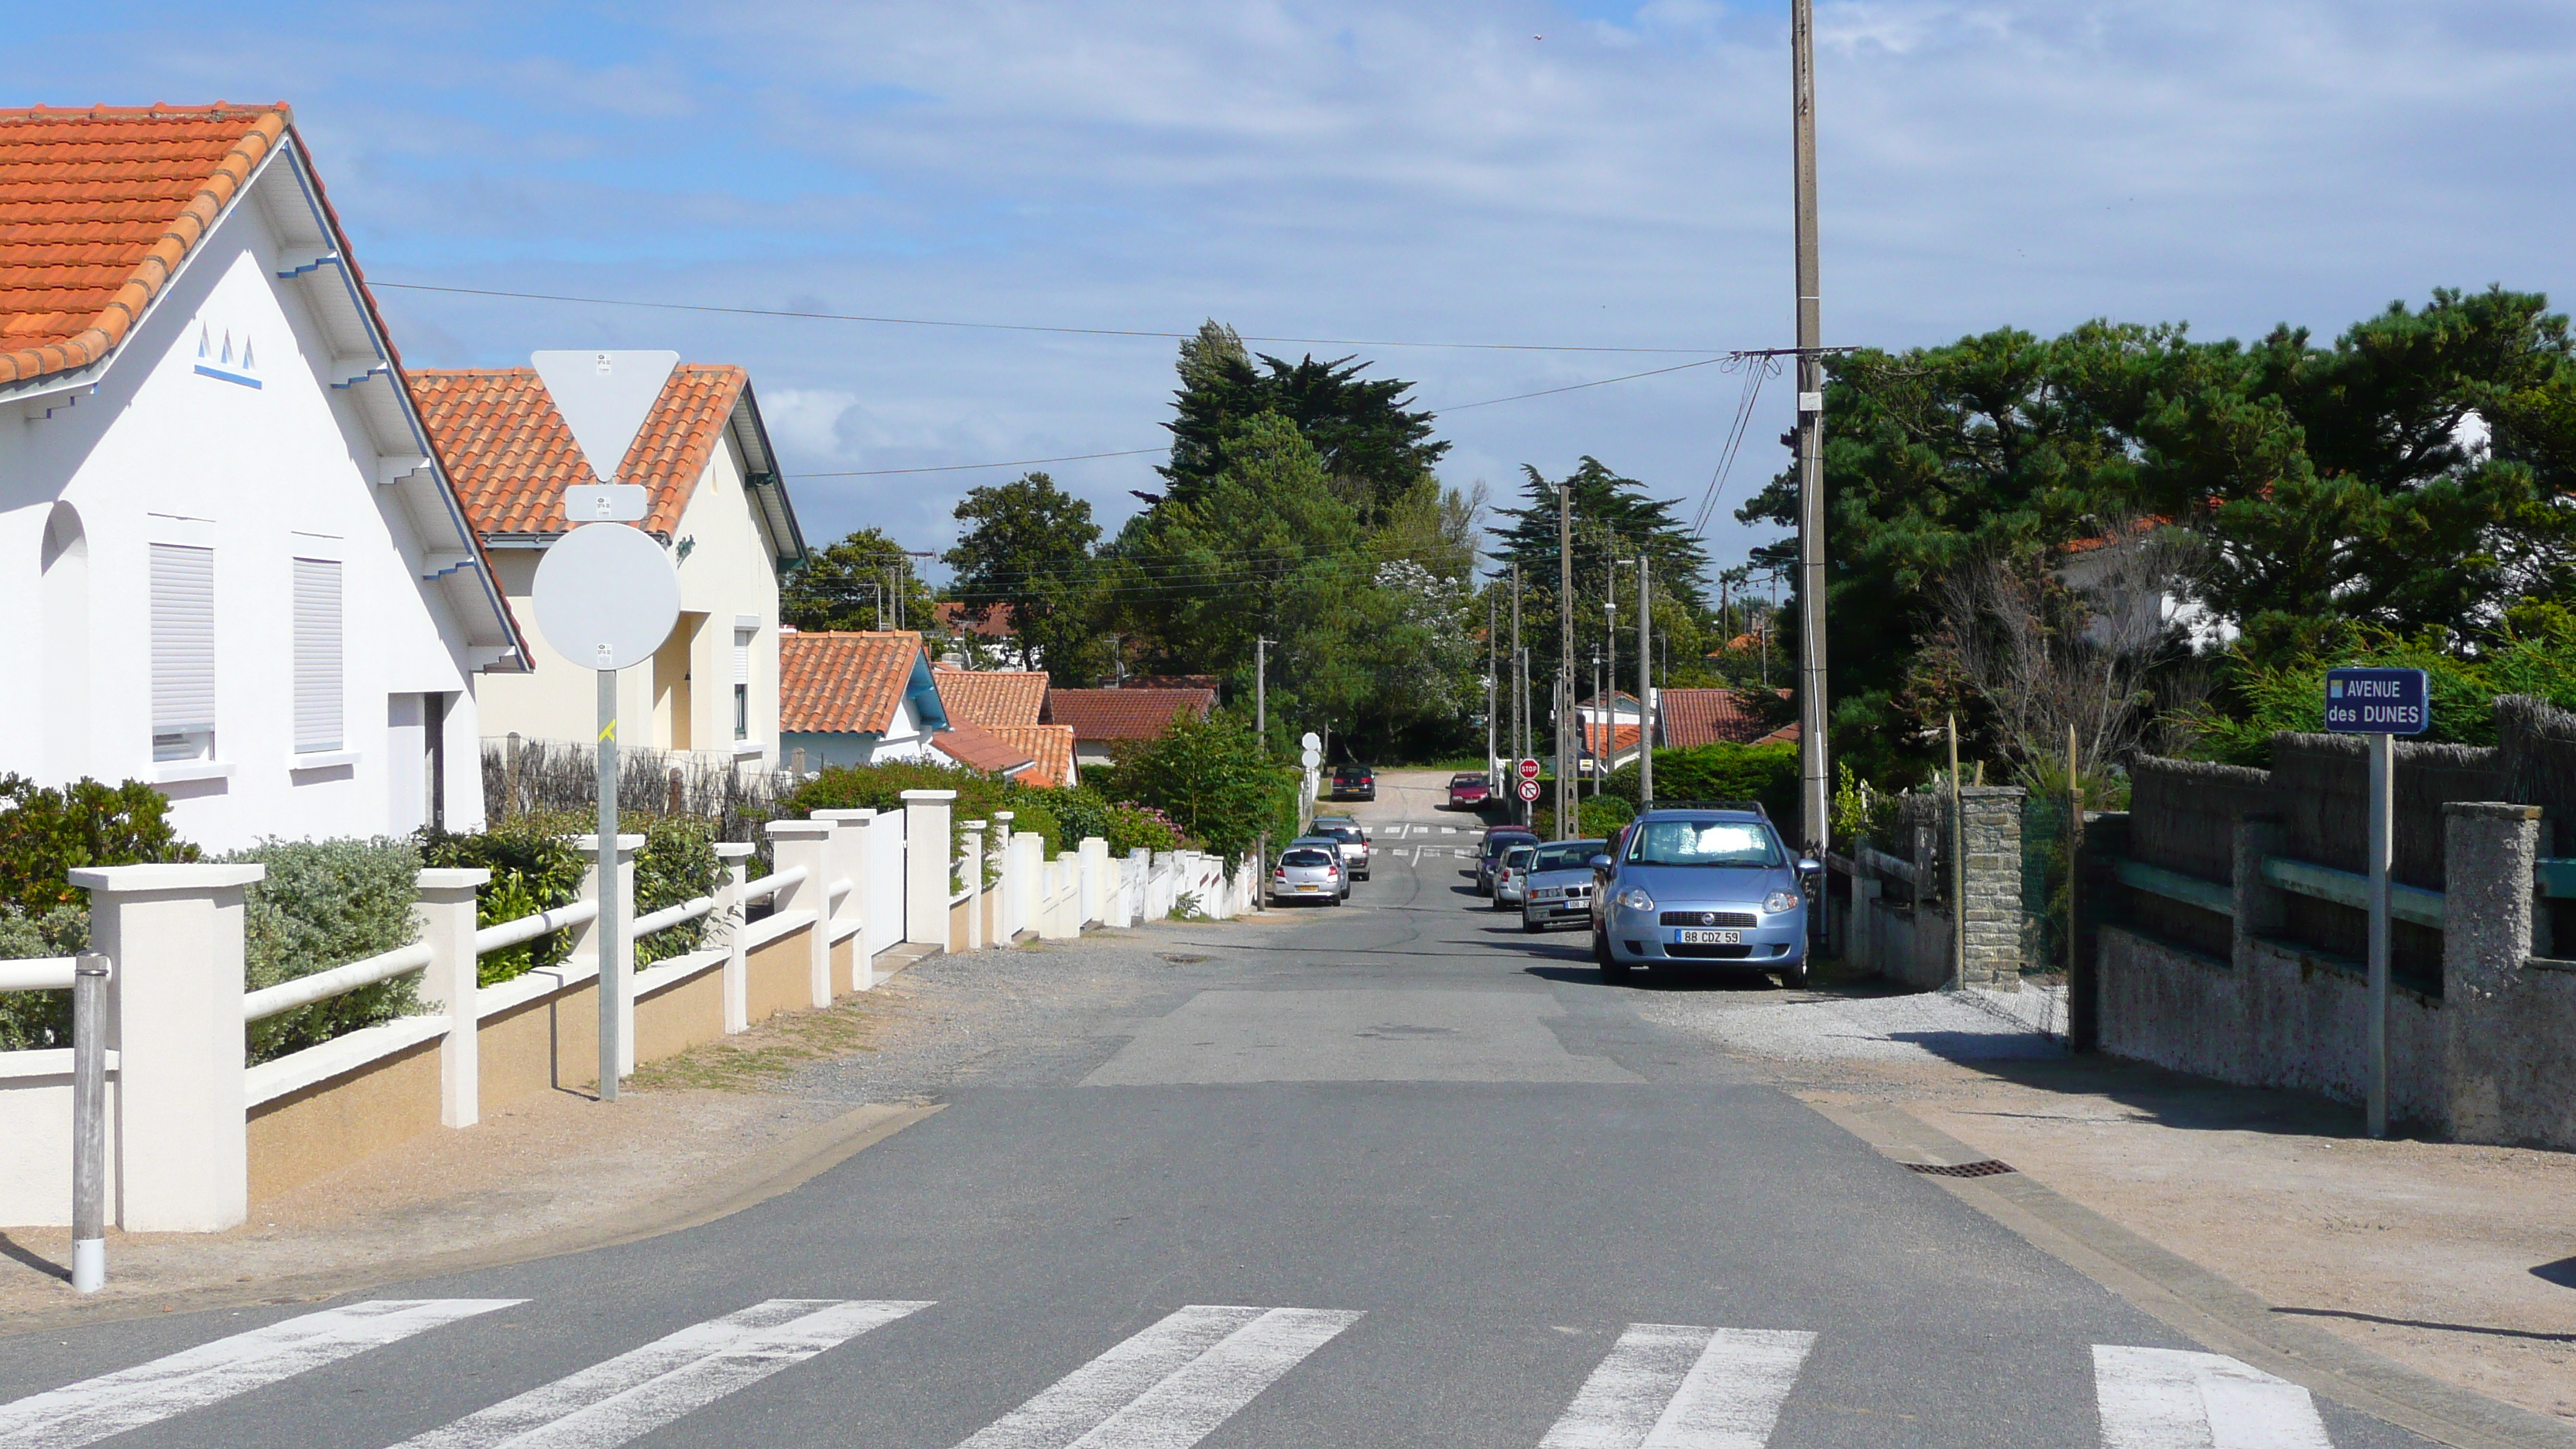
x=2191 y=890
x=2555 y=878
x=2343 y=888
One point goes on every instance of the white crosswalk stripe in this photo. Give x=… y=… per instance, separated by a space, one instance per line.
x=1672 y=1386
x=1169 y=1386
x=637 y=1392
x=2163 y=1398
x=95 y=1409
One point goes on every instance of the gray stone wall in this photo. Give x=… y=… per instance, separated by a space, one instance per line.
x=1991 y=835
x=1912 y=941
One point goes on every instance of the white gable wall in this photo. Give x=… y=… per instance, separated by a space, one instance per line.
x=162 y=453
x=684 y=698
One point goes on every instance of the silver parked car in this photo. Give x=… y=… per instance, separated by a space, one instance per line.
x=1508 y=873
x=1354 y=839
x=1307 y=872
x=1341 y=856
x=1556 y=887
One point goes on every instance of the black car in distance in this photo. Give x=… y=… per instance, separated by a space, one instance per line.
x=1354 y=782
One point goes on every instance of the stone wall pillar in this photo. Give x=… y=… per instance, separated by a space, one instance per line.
x=1990 y=831
x=2501 y=1080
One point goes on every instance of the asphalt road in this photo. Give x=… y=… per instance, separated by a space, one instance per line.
x=1389 y=1174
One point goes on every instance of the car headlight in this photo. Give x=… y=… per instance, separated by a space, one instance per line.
x=1780 y=901
x=1636 y=899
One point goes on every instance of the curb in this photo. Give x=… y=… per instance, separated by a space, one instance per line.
x=2200 y=1304
x=778 y=1168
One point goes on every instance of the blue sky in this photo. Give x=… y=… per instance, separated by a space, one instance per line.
x=1595 y=174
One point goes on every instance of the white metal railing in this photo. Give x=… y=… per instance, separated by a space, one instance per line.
x=528 y=928
x=770 y=885
x=669 y=916
x=268 y=1001
x=38 y=973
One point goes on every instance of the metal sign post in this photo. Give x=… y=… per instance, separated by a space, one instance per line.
x=607 y=596
x=2382 y=704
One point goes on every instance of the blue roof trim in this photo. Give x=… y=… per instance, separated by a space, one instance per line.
x=923 y=694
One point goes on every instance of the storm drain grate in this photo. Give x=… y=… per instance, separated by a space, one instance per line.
x=1987 y=1168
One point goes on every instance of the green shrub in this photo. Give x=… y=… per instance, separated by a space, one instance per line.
x=534 y=868
x=1215 y=782
x=45 y=834
x=326 y=903
x=677 y=865
x=39 y=1019
x=1767 y=774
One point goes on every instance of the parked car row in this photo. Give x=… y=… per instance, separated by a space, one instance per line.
x=1697 y=888
x=1322 y=864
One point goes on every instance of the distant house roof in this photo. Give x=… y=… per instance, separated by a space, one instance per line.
x=1710 y=716
x=1621 y=739
x=995 y=623
x=978 y=748
x=1168 y=681
x=850 y=683
x=992 y=696
x=1050 y=745
x=513 y=455
x=1124 y=714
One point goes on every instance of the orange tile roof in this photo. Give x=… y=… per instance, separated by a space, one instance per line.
x=1707 y=716
x=1622 y=738
x=97 y=209
x=992 y=696
x=512 y=454
x=994 y=624
x=978 y=748
x=1050 y=745
x=843 y=683
x=1123 y=714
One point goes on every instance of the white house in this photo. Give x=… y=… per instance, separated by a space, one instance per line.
x=860 y=698
x=716 y=502
x=239 y=571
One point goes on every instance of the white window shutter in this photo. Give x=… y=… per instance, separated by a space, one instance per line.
x=317 y=656
x=742 y=655
x=183 y=639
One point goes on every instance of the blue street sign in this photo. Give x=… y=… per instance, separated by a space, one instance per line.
x=2377 y=702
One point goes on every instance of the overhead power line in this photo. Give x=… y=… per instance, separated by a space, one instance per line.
x=1138 y=452
x=994 y=326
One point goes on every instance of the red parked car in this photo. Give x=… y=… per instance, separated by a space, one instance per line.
x=1469 y=790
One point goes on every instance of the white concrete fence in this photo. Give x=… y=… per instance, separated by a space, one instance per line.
x=196 y=1132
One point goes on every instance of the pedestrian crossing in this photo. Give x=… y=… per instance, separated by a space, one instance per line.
x=1167 y=1386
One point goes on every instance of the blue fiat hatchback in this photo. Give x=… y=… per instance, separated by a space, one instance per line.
x=1703 y=889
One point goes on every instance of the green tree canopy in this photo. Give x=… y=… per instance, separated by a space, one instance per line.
x=1029 y=548
x=844 y=585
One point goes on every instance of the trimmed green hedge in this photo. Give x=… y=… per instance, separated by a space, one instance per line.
x=326 y=903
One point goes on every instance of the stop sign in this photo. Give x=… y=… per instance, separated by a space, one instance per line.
x=1529 y=769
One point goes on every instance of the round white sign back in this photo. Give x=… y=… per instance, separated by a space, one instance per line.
x=607 y=596
x=1310 y=758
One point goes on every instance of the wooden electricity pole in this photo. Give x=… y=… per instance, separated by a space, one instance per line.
x=1814 y=782
x=1565 y=656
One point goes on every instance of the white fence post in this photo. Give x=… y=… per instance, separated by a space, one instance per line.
x=927 y=866
x=730 y=909
x=445 y=908
x=1010 y=911
x=808 y=843
x=183 y=1141
x=848 y=858
x=1094 y=853
x=970 y=869
x=618 y=975
x=882 y=922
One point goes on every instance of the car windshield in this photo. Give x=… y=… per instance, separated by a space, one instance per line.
x=1309 y=858
x=1497 y=844
x=1568 y=855
x=1703 y=842
x=1343 y=832
x=1466 y=779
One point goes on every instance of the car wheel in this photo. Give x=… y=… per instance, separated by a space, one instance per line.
x=1612 y=968
x=1531 y=927
x=1335 y=900
x=1795 y=978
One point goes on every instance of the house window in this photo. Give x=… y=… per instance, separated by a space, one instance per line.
x=183 y=652
x=317 y=656
x=742 y=682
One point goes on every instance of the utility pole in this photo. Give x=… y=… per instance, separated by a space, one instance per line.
x=1610 y=670
x=1645 y=691
x=1814 y=819
x=1493 y=674
x=1520 y=693
x=1611 y=730
x=1261 y=692
x=1564 y=656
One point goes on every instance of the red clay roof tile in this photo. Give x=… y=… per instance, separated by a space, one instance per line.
x=97 y=209
x=843 y=683
x=512 y=454
x=992 y=696
x=1123 y=714
x=978 y=748
x=1708 y=716
x=1050 y=745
